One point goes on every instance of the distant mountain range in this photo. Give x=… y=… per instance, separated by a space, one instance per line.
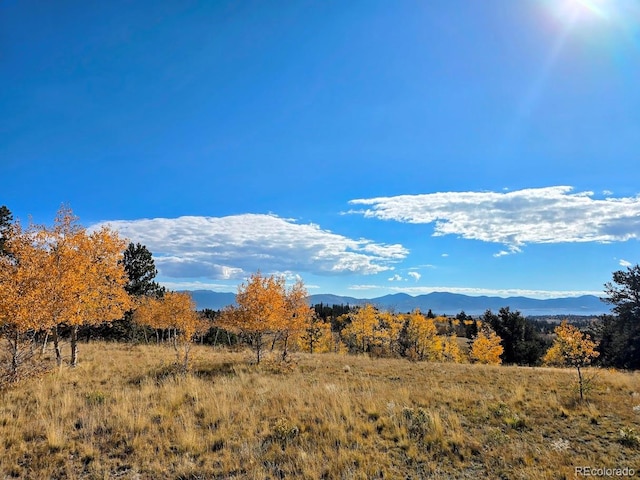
x=438 y=302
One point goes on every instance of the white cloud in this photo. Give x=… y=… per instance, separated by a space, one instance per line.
x=231 y=247
x=536 y=215
x=396 y=278
x=625 y=263
x=195 y=285
x=366 y=287
x=444 y=255
x=416 y=276
x=474 y=292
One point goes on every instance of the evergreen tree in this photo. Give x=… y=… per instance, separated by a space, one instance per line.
x=141 y=270
x=620 y=333
x=522 y=343
x=6 y=218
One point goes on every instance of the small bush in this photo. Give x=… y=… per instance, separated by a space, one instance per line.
x=284 y=432
x=629 y=438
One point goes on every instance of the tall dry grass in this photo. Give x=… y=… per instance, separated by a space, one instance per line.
x=127 y=412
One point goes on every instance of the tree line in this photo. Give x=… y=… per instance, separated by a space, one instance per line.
x=67 y=281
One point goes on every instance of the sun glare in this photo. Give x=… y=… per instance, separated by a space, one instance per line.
x=595 y=7
x=570 y=11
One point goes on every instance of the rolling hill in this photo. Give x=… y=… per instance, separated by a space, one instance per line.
x=438 y=302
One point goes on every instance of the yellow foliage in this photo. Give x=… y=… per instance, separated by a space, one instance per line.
x=174 y=310
x=451 y=350
x=571 y=348
x=260 y=306
x=362 y=328
x=423 y=337
x=61 y=275
x=22 y=277
x=266 y=307
x=317 y=336
x=487 y=347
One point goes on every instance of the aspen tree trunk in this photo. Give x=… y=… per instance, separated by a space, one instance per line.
x=44 y=343
x=14 y=353
x=284 y=346
x=74 y=345
x=580 y=382
x=258 y=346
x=56 y=346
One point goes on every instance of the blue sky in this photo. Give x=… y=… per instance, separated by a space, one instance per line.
x=369 y=147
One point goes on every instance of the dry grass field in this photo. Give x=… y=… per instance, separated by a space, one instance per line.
x=126 y=412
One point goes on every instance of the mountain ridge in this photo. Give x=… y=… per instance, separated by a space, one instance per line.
x=438 y=302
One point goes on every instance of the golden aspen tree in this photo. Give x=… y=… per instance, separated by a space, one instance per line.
x=572 y=348
x=259 y=311
x=103 y=297
x=388 y=332
x=296 y=316
x=487 y=346
x=175 y=312
x=148 y=312
x=423 y=338
x=180 y=310
x=317 y=336
x=362 y=328
x=451 y=351
x=64 y=285
x=86 y=277
x=22 y=277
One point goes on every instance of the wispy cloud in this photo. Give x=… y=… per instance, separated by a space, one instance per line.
x=514 y=219
x=221 y=248
x=396 y=278
x=415 y=275
x=625 y=263
x=497 y=292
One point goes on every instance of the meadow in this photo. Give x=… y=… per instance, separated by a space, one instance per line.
x=127 y=411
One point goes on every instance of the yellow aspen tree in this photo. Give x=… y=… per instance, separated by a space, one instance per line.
x=86 y=277
x=259 y=311
x=103 y=297
x=180 y=311
x=296 y=316
x=486 y=347
x=148 y=312
x=362 y=328
x=22 y=278
x=451 y=350
x=64 y=285
x=317 y=336
x=572 y=348
x=428 y=343
x=174 y=312
x=388 y=332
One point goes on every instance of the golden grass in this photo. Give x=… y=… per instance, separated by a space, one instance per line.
x=126 y=412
